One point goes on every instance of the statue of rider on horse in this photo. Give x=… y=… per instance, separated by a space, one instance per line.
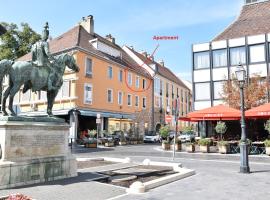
x=43 y=73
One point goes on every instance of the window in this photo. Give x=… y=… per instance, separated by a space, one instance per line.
x=120 y=75
x=238 y=55
x=144 y=102
x=167 y=89
x=88 y=94
x=88 y=67
x=137 y=101
x=218 y=88
x=129 y=99
x=110 y=72
x=157 y=85
x=137 y=83
x=177 y=92
x=66 y=89
x=129 y=79
x=257 y=53
x=161 y=87
x=220 y=58
x=120 y=98
x=202 y=91
x=144 y=84
x=182 y=97
x=110 y=95
x=201 y=60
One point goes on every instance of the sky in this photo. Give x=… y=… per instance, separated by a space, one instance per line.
x=134 y=22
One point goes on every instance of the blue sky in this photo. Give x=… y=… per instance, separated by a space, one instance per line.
x=134 y=22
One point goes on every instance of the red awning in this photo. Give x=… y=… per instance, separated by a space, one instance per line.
x=262 y=111
x=219 y=112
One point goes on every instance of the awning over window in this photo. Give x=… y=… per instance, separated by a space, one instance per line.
x=106 y=114
x=262 y=111
x=219 y=112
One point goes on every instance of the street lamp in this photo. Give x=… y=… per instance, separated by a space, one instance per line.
x=241 y=77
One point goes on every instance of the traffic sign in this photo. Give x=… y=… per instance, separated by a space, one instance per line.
x=98 y=121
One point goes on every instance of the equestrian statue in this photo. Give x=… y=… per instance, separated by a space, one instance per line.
x=43 y=73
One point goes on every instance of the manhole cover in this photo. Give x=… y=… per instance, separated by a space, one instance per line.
x=122 y=178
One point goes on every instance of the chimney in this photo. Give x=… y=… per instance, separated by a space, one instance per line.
x=88 y=24
x=110 y=38
x=161 y=62
x=144 y=53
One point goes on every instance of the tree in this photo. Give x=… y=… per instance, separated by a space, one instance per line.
x=255 y=92
x=16 y=43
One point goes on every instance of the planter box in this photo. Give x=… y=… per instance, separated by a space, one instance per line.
x=267 y=151
x=165 y=146
x=92 y=145
x=122 y=143
x=178 y=147
x=224 y=149
x=190 y=148
x=109 y=144
x=205 y=149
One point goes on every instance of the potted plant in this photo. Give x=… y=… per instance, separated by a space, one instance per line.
x=204 y=145
x=267 y=147
x=164 y=133
x=190 y=147
x=223 y=147
x=221 y=128
x=267 y=141
x=178 y=145
x=90 y=143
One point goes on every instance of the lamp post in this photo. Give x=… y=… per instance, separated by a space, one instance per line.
x=241 y=77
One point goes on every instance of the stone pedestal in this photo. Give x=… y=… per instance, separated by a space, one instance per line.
x=34 y=150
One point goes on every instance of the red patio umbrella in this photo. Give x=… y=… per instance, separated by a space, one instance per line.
x=219 y=112
x=262 y=111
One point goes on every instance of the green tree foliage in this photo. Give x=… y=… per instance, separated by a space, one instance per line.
x=16 y=43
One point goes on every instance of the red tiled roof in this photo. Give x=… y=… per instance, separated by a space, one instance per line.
x=162 y=70
x=79 y=37
x=254 y=19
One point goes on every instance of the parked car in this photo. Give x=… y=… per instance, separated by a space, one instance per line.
x=187 y=137
x=152 y=138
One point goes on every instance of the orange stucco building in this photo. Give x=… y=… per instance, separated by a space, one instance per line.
x=109 y=83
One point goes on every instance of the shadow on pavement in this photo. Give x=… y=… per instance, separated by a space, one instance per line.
x=82 y=177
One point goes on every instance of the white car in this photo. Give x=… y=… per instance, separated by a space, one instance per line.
x=187 y=137
x=151 y=138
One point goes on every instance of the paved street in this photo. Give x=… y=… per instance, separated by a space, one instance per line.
x=217 y=177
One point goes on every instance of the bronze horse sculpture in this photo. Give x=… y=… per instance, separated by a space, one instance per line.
x=35 y=78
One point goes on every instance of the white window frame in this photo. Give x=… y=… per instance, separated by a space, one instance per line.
x=121 y=98
x=129 y=79
x=90 y=102
x=108 y=72
x=130 y=99
x=137 y=82
x=144 y=100
x=144 y=83
x=90 y=74
x=120 y=80
x=251 y=56
x=137 y=98
x=109 y=89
